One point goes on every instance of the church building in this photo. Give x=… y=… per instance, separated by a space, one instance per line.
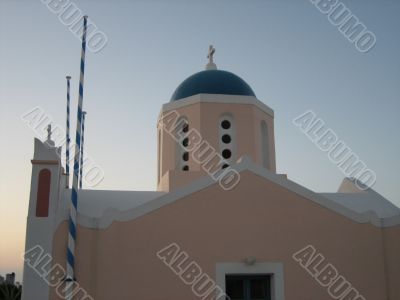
x=222 y=224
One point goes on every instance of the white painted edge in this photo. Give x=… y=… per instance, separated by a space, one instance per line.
x=217 y=98
x=244 y=164
x=263 y=268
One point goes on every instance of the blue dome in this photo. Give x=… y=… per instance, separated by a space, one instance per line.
x=212 y=82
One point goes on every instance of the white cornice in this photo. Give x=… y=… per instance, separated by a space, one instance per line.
x=216 y=98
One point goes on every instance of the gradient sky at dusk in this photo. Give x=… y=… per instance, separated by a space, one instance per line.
x=289 y=53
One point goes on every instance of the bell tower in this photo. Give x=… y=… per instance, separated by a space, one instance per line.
x=47 y=176
x=212 y=119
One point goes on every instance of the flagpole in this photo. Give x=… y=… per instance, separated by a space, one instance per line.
x=75 y=180
x=67 y=133
x=82 y=144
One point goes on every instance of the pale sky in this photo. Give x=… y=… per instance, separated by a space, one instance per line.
x=287 y=51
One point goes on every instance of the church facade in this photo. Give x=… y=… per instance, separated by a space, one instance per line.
x=222 y=223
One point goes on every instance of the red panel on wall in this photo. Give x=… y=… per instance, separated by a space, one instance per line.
x=43 y=194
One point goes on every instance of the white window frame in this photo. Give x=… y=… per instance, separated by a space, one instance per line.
x=179 y=150
x=275 y=270
x=232 y=133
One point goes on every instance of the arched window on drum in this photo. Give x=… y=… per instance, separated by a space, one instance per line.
x=265 y=145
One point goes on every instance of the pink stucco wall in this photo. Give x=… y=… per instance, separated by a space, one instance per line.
x=257 y=218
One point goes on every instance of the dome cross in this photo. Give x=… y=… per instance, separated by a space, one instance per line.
x=211 y=65
x=211 y=52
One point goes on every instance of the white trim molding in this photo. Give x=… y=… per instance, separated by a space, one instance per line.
x=217 y=98
x=275 y=269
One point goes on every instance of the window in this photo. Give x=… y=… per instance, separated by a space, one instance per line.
x=227 y=139
x=273 y=270
x=248 y=287
x=226 y=153
x=159 y=156
x=265 y=144
x=182 y=155
x=43 y=194
x=185 y=156
x=225 y=124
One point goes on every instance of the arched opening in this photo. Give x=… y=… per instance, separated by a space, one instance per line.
x=43 y=193
x=159 y=156
x=265 y=145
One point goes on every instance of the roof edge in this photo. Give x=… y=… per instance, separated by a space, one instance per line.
x=244 y=164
